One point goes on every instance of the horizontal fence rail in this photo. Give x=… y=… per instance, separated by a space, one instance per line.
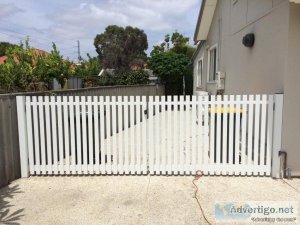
x=220 y=135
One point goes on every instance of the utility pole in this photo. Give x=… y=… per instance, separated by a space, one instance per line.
x=78 y=50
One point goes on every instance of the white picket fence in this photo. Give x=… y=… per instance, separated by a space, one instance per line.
x=229 y=135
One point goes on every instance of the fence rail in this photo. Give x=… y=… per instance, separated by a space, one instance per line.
x=229 y=135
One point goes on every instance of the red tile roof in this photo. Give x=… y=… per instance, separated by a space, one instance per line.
x=36 y=51
x=2 y=59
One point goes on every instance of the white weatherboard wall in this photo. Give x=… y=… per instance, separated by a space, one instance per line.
x=232 y=135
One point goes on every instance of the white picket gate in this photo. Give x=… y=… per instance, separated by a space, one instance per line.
x=228 y=135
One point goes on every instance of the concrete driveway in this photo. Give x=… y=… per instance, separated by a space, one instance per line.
x=130 y=199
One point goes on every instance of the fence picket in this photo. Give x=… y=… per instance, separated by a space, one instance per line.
x=60 y=136
x=231 y=135
x=269 y=134
x=78 y=135
x=181 y=135
x=250 y=135
x=200 y=133
x=212 y=133
x=256 y=134
x=163 y=136
x=42 y=133
x=225 y=132
x=48 y=136
x=96 y=134
x=244 y=132
x=218 y=137
x=187 y=126
x=169 y=135
x=114 y=136
x=138 y=135
x=120 y=135
x=66 y=135
x=29 y=134
x=237 y=134
x=126 y=138
x=151 y=137
x=194 y=157
x=90 y=136
x=263 y=132
x=206 y=135
x=72 y=135
x=144 y=135
x=175 y=136
x=102 y=135
x=132 y=134
x=157 y=135
x=84 y=135
x=54 y=134
x=108 y=134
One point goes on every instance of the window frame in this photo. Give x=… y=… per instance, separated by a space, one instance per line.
x=199 y=85
x=215 y=46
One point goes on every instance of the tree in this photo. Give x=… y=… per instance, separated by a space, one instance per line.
x=4 y=46
x=25 y=67
x=17 y=72
x=88 y=68
x=118 y=48
x=53 y=66
x=170 y=67
x=178 y=44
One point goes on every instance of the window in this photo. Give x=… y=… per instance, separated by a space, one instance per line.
x=199 y=72
x=212 y=64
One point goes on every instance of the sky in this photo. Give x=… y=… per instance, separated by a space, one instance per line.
x=65 y=22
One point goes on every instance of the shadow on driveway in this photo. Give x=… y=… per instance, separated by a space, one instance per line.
x=7 y=216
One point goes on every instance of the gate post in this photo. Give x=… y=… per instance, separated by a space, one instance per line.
x=277 y=131
x=22 y=136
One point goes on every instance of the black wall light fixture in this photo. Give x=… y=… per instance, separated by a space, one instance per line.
x=248 y=40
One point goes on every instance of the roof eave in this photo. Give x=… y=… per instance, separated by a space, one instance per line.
x=204 y=19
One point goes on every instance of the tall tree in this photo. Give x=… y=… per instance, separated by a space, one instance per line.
x=119 y=48
x=175 y=48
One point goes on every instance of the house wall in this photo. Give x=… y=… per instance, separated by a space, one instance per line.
x=291 y=112
x=271 y=66
x=254 y=70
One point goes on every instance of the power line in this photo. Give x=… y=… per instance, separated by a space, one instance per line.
x=28 y=28
x=37 y=40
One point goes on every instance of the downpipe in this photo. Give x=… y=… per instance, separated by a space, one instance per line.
x=283 y=165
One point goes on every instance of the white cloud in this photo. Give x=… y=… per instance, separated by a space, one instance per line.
x=8 y=9
x=67 y=21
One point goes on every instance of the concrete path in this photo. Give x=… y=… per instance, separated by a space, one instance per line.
x=130 y=199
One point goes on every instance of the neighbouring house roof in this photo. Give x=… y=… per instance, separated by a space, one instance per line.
x=37 y=52
x=2 y=59
x=205 y=18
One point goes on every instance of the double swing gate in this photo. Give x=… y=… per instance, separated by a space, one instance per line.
x=221 y=135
